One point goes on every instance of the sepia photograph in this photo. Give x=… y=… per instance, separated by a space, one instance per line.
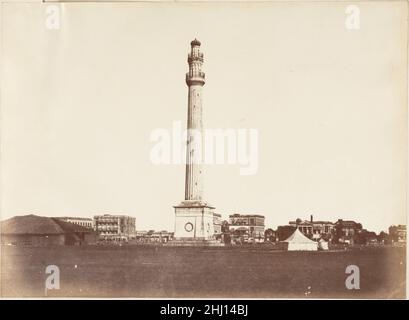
x=203 y=150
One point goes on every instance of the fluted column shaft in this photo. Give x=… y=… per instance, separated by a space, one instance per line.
x=194 y=150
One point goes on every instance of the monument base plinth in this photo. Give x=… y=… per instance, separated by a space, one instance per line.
x=194 y=224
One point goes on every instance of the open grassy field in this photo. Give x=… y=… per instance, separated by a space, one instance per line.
x=174 y=272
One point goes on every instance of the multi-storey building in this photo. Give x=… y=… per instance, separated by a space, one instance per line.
x=83 y=222
x=153 y=236
x=314 y=229
x=346 y=231
x=217 y=224
x=250 y=224
x=114 y=226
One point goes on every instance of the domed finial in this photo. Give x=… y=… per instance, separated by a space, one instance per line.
x=195 y=42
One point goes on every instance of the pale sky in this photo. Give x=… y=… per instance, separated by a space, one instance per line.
x=78 y=106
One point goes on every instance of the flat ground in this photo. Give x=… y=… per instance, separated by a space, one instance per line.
x=238 y=272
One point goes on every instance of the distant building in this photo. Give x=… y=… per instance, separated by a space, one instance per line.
x=115 y=227
x=161 y=236
x=314 y=229
x=153 y=236
x=141 y=235
x=342 y=231
x=346 y=230
x=34 y=230
x=217 y=224
x=250 y=224
x=83 y=222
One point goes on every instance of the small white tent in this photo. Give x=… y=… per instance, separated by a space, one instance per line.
x=299 y=242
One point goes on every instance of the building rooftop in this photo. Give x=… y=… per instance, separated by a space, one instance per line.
x=32 y=224
x=311 y=222
x=238 y=215
x=74 y=218
x=112 y=216
x=347 y=222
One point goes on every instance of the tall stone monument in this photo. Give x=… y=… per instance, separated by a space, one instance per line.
x=193 y=216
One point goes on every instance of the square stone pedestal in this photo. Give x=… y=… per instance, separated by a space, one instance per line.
x=194 y=224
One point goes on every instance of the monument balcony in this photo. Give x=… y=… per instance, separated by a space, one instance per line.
x=195 y=78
